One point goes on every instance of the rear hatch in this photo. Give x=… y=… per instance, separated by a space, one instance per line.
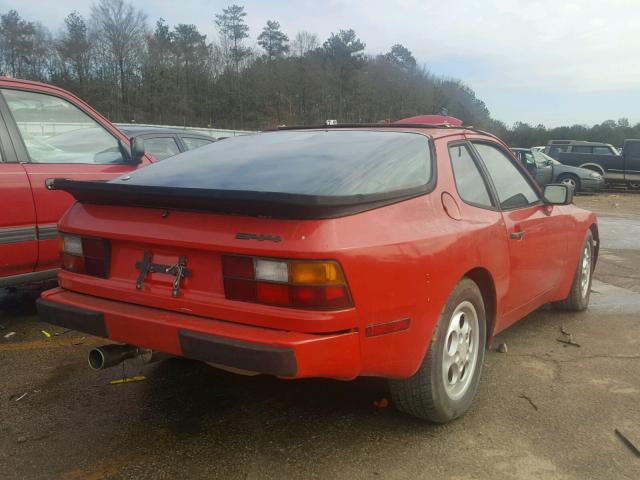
x=279 y=195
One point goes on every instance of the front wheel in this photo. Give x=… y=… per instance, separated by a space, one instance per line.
x=578 y=298
x=571 y=181
x=446 y=382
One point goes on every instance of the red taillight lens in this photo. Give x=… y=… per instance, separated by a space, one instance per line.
x=289 y=283
x=87 y=255
x=329 y=298
x=237 y=267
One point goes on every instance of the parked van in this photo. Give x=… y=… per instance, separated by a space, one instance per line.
x=602 y=158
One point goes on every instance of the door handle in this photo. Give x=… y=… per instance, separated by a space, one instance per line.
x=48 y=183
x=517 y=235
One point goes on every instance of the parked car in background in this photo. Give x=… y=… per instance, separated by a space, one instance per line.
x=602 y=158
x=539 y=148
x=47 y=132
x=546 y=170
x=162 y=143
x=264 y=253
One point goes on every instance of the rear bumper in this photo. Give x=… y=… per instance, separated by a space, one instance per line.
x=275 y=352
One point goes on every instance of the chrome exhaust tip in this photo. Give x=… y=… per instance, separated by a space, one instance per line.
x=111 y=355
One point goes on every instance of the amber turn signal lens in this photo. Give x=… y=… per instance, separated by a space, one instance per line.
x=315 y=273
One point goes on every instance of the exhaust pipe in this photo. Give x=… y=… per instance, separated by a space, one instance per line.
x=111 y=355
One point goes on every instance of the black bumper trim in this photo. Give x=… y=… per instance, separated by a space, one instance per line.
x=80 y=319
x=238 y=354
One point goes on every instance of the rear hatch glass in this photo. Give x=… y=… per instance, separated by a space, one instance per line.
x=333 y=163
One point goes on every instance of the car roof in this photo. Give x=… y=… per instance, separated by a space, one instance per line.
x=135 y=130
x=432 y=130
x=577 y=142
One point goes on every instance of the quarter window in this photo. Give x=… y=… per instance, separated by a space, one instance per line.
x=469 y=181
x=192 y=142
x=56 y=131
x=602 y=151
x=514 y=191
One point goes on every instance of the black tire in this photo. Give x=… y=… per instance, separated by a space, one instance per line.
x=578 y=298
x=424 y=394
x=571 y=180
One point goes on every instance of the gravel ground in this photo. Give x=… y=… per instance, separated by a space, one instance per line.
x=545 y=410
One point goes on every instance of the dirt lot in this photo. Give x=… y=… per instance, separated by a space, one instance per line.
x=545 y=410
x=618 y=213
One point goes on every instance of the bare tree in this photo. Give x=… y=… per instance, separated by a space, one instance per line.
x=74 y=48
x=119 y=30
x=304 y=43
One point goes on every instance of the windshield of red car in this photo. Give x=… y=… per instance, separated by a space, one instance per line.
x=308 y=162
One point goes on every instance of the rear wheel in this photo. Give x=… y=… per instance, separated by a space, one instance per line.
x=571 y=181
x=446 y=382
x=578 y=298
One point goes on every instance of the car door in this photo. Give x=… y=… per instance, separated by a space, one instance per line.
x=537 y=237
x=18 y=241
x=544 y=169
x=541 y=175
x=56 y=138
x=631 y=155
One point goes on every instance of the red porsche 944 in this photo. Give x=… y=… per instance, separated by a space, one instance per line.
x=394 y=250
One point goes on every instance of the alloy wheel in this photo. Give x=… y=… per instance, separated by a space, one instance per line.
x=586 y=270
x=460 y=353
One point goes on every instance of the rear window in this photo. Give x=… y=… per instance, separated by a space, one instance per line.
x=323 y=163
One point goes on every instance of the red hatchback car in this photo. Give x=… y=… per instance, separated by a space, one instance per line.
x=384 y=250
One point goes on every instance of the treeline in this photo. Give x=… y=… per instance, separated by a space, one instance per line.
x=173 y=74
x=609 y=131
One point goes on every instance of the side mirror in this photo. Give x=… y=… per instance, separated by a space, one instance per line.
x=137 y=150
x=558 y=195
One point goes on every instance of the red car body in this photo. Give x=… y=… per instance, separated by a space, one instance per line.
x=28 y=235
x=401 y=262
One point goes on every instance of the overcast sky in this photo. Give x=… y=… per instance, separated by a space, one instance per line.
x=541 y=61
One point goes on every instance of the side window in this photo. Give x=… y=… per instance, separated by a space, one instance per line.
x=469 y=182
x=192 y=142
x=541 y=159
x=161 y=147
x=56 y=131
x=556 y=149
x=580 y=149
x=602 y=151
x=528 y=158
x=513 y=189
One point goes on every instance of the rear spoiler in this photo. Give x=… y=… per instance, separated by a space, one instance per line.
x=239 y=202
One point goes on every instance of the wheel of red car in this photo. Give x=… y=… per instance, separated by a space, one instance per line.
x=580 y=292
x=446 y=382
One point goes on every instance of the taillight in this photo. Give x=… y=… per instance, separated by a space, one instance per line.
x=87 y=255
x=314 y=285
